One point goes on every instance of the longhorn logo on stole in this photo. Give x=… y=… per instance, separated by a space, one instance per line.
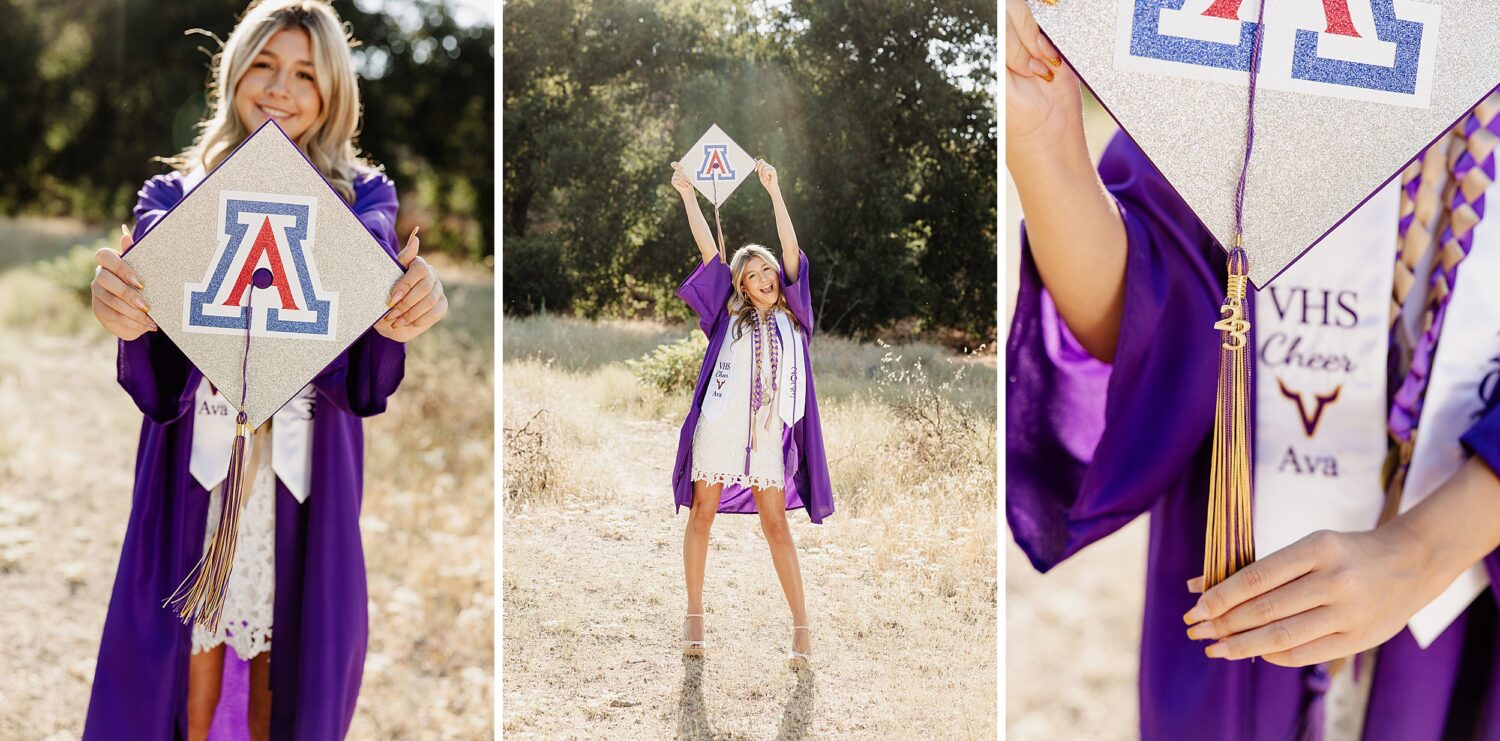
x=263 y=230
x=1373 y=50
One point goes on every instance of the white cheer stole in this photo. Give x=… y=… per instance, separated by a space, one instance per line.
x=1322 y=339
x=291 y=439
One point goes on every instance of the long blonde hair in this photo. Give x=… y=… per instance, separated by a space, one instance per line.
x=329 y=142
x=740 y=305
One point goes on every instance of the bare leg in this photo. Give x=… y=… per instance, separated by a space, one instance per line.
x=695 y=551
x=771 y=504
x=260 y=697
x=205 y=675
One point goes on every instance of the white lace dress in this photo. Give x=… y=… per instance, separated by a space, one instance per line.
x=250 y=599
x=719 y=443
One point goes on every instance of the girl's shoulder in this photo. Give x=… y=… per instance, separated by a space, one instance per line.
x=370 y=180
x=161 y=191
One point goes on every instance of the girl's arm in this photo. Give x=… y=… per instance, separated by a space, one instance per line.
x=790 y=255
x=1076 y=232
x=696 y=222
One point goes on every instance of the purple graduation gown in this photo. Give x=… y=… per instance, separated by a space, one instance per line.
x=1091 y=446
x=804 y=461
x=320 y=626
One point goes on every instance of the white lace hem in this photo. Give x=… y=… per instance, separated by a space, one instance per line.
x=760 y=482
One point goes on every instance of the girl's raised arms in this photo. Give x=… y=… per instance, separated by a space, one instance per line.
x=1076 y=231
x=791 y=256
x=701 y=233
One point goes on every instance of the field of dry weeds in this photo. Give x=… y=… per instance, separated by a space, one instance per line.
x=901 y=580
x=66 y=456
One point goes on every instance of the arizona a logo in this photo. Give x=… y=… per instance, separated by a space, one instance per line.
x=1379 y=51
x=271 y=231
x=716 y=163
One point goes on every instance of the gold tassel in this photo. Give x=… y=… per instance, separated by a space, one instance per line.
x=203 y=601
x=1229 y=544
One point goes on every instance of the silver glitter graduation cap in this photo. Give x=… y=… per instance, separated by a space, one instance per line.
x=1349 y=92
x=264 y=217
x=716 y=165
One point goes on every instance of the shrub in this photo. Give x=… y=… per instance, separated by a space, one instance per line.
x=672 y=367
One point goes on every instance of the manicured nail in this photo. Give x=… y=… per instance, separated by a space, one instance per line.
x=1216 y=650
x=123 y=230
x=1195 y=615
x=1054 y=60
x=395 y=298
x=1039 y=69
x=1202 y=630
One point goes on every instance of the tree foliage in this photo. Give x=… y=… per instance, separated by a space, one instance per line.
x=879 y=115
x=94 y=91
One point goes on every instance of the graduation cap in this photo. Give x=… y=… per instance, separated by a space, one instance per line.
x=261 y=275
x=716 y=165
x=1348 y=92
x=1275 y=122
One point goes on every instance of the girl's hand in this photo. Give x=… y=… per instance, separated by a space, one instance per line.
x=680 y=181
x=417 y=300
x=1326 y=596
x=1042 y=101
x=118 y=304
x=768 y=176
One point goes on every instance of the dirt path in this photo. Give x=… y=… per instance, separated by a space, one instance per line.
x=62 y=514
x=1074 y=639
x=593 y=600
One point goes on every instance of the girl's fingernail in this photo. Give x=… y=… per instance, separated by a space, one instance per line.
x=1201 y=631
x=124 y=230
x=1216 y=651
x=1195 y=615
x=1054 y=60
x=1040 y=70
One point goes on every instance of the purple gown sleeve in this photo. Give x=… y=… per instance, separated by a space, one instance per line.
x=151 y=368
x=362 y=378
x=1483 y=440
x=799 y=294
x=1092 y=445
x=706 y=292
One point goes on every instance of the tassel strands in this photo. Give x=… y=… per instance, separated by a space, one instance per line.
x=1229 y=544
x=203 y=601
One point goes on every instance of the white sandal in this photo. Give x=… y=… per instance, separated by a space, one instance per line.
x=796 y=659
x=691 y=648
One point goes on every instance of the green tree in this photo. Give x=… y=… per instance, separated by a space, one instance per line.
x=878 y=113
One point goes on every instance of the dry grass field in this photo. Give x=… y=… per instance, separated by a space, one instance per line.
x=901 y=580
x=66 y=457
